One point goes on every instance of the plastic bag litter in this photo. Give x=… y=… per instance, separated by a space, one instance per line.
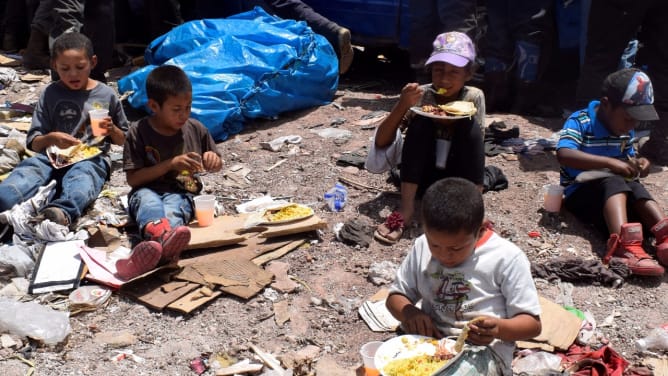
x=243 y=66
x=29 y=319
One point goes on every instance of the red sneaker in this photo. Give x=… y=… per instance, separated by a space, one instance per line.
x=174 y=242
x=628 y=247
x=660 y=231
x=144 y=257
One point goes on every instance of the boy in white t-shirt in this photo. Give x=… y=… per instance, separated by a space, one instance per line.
x=461 y=270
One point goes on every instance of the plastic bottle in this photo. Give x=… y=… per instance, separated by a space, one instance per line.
x=657 y=339
x=336 y=197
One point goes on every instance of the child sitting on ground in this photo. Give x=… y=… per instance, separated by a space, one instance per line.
x=161 y=155
x=601 y=137
x=461 y=270
x=452 y=63
x=61 y=119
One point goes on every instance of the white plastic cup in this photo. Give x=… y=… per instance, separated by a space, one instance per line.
x=552 y=197
x=96 y=116
x=205 y=206
x=442 y=151
x=368 y=352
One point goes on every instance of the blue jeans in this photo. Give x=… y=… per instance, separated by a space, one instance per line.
x=147 y=206
x=78 y=185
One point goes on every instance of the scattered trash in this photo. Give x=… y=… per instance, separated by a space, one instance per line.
x=534 y=234
x=259 y=204
x=383 y=272
x=200 y=364
x=126 y=354
x=334 y=133
x=29 y=319
x=537 y=362
x=88 y=298
x=336 y=197
x=7 y=76
x=278 y=143
x=338 y=121
x=657 y=339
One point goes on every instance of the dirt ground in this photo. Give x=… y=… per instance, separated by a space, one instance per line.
x=334 y=275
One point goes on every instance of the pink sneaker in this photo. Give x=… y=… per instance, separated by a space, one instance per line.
x=144 y=257
x=628 y=247
x=174 y=242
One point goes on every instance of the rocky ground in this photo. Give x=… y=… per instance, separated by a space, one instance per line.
x=334 y=276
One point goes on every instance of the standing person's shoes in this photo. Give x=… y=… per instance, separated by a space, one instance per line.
x=627 y=246
x=36 y=54
x=143 y=258
x=660 y=231
x=173 y=241
x=345 y=52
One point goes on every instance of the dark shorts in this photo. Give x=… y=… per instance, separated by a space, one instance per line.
x=587 y=201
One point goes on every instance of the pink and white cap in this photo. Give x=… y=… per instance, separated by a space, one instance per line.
x=453 y=48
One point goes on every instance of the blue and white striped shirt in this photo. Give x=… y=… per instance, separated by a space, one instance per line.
x=582 y=131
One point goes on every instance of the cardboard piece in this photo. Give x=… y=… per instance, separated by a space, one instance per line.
x=220 y=233
x=157 y=294
x=9 y=61
x=309 y=224
x=193 y=300
x=660 y=366
x=559 y=327
x=59 y=267
x=229 y=229
x=235 y=276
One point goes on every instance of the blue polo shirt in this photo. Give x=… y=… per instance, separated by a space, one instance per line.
x=582 y=131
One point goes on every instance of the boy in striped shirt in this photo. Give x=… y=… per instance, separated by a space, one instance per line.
x=599 y=140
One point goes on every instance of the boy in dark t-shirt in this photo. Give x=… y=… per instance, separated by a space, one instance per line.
x=161 y=155
x=61 y=119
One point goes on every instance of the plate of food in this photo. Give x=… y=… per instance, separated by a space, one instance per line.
x=279 y=214
x=449 y=111
x=413 y=355
x=65 y=157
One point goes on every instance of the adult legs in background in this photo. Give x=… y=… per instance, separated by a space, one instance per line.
x=515 y=33
x=653 y=35
x=96 y=20
x=429 y=18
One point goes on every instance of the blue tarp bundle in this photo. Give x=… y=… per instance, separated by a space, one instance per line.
x=249 y=65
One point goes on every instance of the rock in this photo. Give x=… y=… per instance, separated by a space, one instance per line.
x=121 y=338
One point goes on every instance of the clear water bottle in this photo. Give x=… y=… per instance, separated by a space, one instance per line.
x=657 y=339
x=336 y=197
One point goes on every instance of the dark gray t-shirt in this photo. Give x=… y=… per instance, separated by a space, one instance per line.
x=144 y=147
x=60 y=109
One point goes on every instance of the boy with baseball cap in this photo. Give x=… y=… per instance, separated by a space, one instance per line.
x=600 y=138
x=434 y=148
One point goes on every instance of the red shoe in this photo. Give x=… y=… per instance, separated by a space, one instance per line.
x=660 y=231
x=628 y=247
x=173 y=241
x=144 y=257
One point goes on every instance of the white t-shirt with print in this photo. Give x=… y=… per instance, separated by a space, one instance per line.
x=494 y=281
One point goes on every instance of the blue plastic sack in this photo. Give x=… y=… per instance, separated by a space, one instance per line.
x=250 y=65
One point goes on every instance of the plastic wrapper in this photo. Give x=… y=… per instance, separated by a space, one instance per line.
x=29 y=319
